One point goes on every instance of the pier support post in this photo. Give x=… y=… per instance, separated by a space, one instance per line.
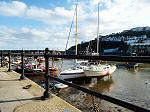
x=46 y=93
x=9 y=61
x=1 y=58
x=22 y=77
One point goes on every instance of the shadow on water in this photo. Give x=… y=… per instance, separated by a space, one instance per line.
x=80 y=81
x=11 y=80
x=102 y=85
x=15 y=100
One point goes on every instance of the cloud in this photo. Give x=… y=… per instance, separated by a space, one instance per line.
x=115 y=16
x=112 y=12
x=57 y=16
x=32 y=38
x=14 y=8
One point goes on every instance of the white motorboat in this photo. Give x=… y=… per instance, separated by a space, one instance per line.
x=76 y=72
x=72 y=73
x=99 y=70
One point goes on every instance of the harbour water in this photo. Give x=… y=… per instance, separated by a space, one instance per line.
x=129 y=85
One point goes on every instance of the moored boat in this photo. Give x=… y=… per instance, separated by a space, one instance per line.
x=99 y=70
x=72 y=73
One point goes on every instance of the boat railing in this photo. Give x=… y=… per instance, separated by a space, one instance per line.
x=46 y=94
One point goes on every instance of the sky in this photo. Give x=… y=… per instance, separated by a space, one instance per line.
x=37 y=24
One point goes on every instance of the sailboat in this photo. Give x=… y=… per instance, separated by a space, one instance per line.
x=77 y=71
x=99 y=70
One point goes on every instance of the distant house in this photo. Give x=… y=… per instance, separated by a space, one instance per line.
x=115 y=51
x=140 y=48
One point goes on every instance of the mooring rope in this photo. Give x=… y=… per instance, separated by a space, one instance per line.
x=96 y=109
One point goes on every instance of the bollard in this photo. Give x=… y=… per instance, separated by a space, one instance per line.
x=9 y=62
x=46 y=93
x=22 y=77
x=1 y=58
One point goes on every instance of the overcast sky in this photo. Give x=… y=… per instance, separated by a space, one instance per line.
x=36 y=24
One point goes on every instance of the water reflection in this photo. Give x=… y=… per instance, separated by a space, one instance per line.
x=102 y=85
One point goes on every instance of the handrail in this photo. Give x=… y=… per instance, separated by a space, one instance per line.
x=139 y=59
x=28 y=54
x=25 y=54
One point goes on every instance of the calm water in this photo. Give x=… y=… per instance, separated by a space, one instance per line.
x=126 y=84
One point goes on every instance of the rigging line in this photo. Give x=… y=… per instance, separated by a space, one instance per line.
x=69 y=35
x=70 y=31
x=76 y=39
x=98 y=30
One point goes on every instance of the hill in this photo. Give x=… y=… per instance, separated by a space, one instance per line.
x=120 y=42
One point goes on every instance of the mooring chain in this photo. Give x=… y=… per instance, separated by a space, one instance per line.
x=96 y=109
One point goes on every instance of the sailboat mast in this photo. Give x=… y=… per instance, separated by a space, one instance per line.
x=98 y=31
x=76 y=39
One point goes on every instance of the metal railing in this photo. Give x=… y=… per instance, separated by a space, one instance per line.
x=46 y=94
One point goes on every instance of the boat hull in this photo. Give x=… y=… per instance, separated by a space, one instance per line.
x=99 y=73
x=89 y=73
x=72 y=74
